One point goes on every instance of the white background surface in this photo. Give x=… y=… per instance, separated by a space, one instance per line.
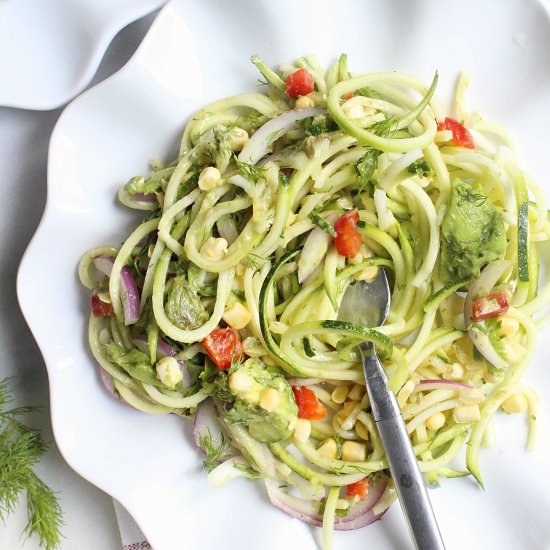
x=89 y=514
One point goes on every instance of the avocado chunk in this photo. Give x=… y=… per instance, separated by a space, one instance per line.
x=472 y=233
x=268 y=426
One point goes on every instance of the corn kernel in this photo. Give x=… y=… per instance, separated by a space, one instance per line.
x=516 y=403
x=302 y=430
x=209 y=178
x=328 y=448
x=508 y=327
x=466 y=413
x=435 y=421
x=368 y=274
x=304 y=102
x=454 y=372
x=354 y=451
x=471 y=396
x=270 y=399
x=169 y=372
x=356 y=394
x=362 y=431
x=237 y=316
x=340 y=393
x=240 y=382
x=239 y=137
x=514 y=351
x=214 y=249
x=345 y=411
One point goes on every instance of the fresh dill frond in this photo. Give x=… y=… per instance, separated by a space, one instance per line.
x=20 y=449
x=249 y=171
x=321 y=223
x=214 y=453
x=254 y=261
x=248 y=470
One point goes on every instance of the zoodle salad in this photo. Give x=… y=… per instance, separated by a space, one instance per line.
x=222 y=304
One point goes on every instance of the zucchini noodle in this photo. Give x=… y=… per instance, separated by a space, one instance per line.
x=223 y=302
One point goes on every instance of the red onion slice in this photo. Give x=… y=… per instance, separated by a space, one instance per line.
x=163 y=349
x=360 y=513
x=258 y=145
x=129 y=295
x=186 y=380
x=104 y=264
x=150 y=197
x=481 y=286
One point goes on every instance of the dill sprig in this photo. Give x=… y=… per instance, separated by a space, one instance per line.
x=214 y=453
x=20 y=449
x=249 y=171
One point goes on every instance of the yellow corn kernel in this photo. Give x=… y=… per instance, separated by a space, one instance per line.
x=214 y=249
x=302 y=430
x=239 y=137
x=354 y=451
x=362 y=431
x=209 y=178
x=466 y=413
x=508 y=327
x=435 y=421
x=340 y=393
x=237 y=316
x=471 y=396
x=328 y=448
x=513 y=351
x=240 y=382
x=516 y=403
x=304 y=102
x=368 y=274
x=454 y=372
x=356 y=394
x=270 y=399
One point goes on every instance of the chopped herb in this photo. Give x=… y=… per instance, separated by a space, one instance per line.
x=365 y=167
x=254 y=120
x=255 y=261
x=319 y=124
x=419 y=167
x=385 y=127
x=283 y=179
x=367 y=92
x=249 y=171
x=321 y=223
x=248 y=470
x=214 y=453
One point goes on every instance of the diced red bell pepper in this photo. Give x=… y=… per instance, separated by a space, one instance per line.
x=489 y=306
x=101 y=308
x=224 y=347
x=461 y=136
x=299 y=83
x=348 y=239
x=358 y=489
x=348 y=96
x=309 y=406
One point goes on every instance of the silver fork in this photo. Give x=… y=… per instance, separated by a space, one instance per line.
x=368 y=304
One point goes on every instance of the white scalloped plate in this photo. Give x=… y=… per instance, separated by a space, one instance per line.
x=50 y=49
x=196 y=52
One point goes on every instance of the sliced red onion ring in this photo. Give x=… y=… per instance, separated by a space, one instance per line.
x=360 y=513
x=424 y=385
x=129 y=296
x=207 y=425
x=150 y=197
x=258 y=145
x=481 y=286
x=186 y=380
x=163 y=349
x=104 y=264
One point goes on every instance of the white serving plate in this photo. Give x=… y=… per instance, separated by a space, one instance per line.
x=196 y=52
x=50 y=49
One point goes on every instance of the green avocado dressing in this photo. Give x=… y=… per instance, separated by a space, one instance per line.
x=472 y=233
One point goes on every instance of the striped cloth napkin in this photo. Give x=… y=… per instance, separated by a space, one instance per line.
x=130 y=533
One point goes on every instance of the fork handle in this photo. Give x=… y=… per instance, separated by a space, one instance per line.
x=406 y=475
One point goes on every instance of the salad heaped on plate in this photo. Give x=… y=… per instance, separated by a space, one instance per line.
x=222 y=304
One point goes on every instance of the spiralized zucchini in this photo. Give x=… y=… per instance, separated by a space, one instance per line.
x=241 y=232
